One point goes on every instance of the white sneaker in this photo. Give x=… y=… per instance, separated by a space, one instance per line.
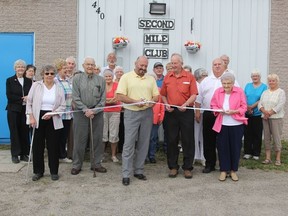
x=65 y=160
x=203 y=162
x=114 y=159
x=255 y=157
x=247 y=156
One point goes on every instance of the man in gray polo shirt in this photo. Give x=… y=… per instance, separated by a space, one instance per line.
x=88 y=95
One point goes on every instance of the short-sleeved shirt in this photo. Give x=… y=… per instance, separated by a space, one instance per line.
x=111 y=94
x=253 y=95
x=137 y=88
x=178 y=90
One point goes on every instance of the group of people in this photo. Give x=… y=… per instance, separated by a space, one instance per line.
x=208 y=114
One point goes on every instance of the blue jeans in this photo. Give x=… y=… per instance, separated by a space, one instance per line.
x=153 y=141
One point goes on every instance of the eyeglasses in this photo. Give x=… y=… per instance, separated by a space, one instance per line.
x=52 y=74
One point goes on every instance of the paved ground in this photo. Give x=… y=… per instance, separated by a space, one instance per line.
x=257 y=192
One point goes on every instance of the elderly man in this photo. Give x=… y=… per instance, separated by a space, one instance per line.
x=71 y=67
x=88 y=95
x=111 y=60
x=136 y=87
x=226 y=61
x=179 y=89
x=206 y=90
x=158 y=70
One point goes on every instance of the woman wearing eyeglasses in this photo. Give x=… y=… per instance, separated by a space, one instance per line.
x=229 y=124
x=45 y=96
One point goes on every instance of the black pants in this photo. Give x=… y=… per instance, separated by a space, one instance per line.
x=180 y=122
x=64 y=133
x=209 y=139
x=121 y=133
x=45 y=133
x=253 y=136
x=19 y=132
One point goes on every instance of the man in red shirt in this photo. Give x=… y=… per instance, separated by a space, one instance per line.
x=179 y=89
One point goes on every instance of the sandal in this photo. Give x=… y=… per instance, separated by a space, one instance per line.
x=277 y=163
x=267 y=161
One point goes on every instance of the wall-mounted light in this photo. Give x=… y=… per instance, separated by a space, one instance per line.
x=157 y=8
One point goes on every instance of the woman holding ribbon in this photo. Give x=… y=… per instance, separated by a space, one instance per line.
x=229 y=124
x=44 y=97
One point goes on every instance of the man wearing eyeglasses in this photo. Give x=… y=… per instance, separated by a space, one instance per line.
x=88 y=95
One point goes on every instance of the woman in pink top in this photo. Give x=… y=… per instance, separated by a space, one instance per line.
x=229 y=124
x=111 y=115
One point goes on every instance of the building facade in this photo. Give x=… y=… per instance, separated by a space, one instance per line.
x=252 y=32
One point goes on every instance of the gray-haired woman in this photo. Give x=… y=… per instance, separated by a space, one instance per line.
x=46 y=96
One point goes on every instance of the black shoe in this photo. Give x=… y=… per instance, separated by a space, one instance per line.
x=140 y=177
x=15 y=159
x=126 y=181
x=75 y=171
x=24 y=158
x=37 y=176
x=54 y=177
x=152 y=160
x=208 y=169
x=100 y=169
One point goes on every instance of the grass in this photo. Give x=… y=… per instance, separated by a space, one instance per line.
x=251 y=164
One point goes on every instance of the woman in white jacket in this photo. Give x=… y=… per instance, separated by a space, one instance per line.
x=45 y=96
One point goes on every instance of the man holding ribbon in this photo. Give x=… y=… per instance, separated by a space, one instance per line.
x=137 y=87
x=88 y=94
x=179 y=92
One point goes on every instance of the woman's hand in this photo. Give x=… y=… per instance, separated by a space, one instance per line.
x=32 y=121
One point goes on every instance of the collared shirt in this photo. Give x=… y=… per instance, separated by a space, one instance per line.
x=160 y=81
x=207 y=88
x=178 y=90
x=67 y=87
x=137 y=88
x=237 y=101
x=88 y=91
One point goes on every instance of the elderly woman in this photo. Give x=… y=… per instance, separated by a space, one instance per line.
x=30 y=72
x=97 y=69
x=271 y=105
x=118 y=71
x=46 y=96
x=63 y=81
x=199 y=75
x=229 y=124
x=253 y=131
x=111 y=115
x=17 y=88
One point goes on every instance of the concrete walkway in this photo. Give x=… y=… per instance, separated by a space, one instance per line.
x=256 y=193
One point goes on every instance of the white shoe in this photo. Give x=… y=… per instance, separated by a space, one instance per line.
x=65 y=160
x=247 y=156
x=255 y=157
x=114 y=159
x=203 y=162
